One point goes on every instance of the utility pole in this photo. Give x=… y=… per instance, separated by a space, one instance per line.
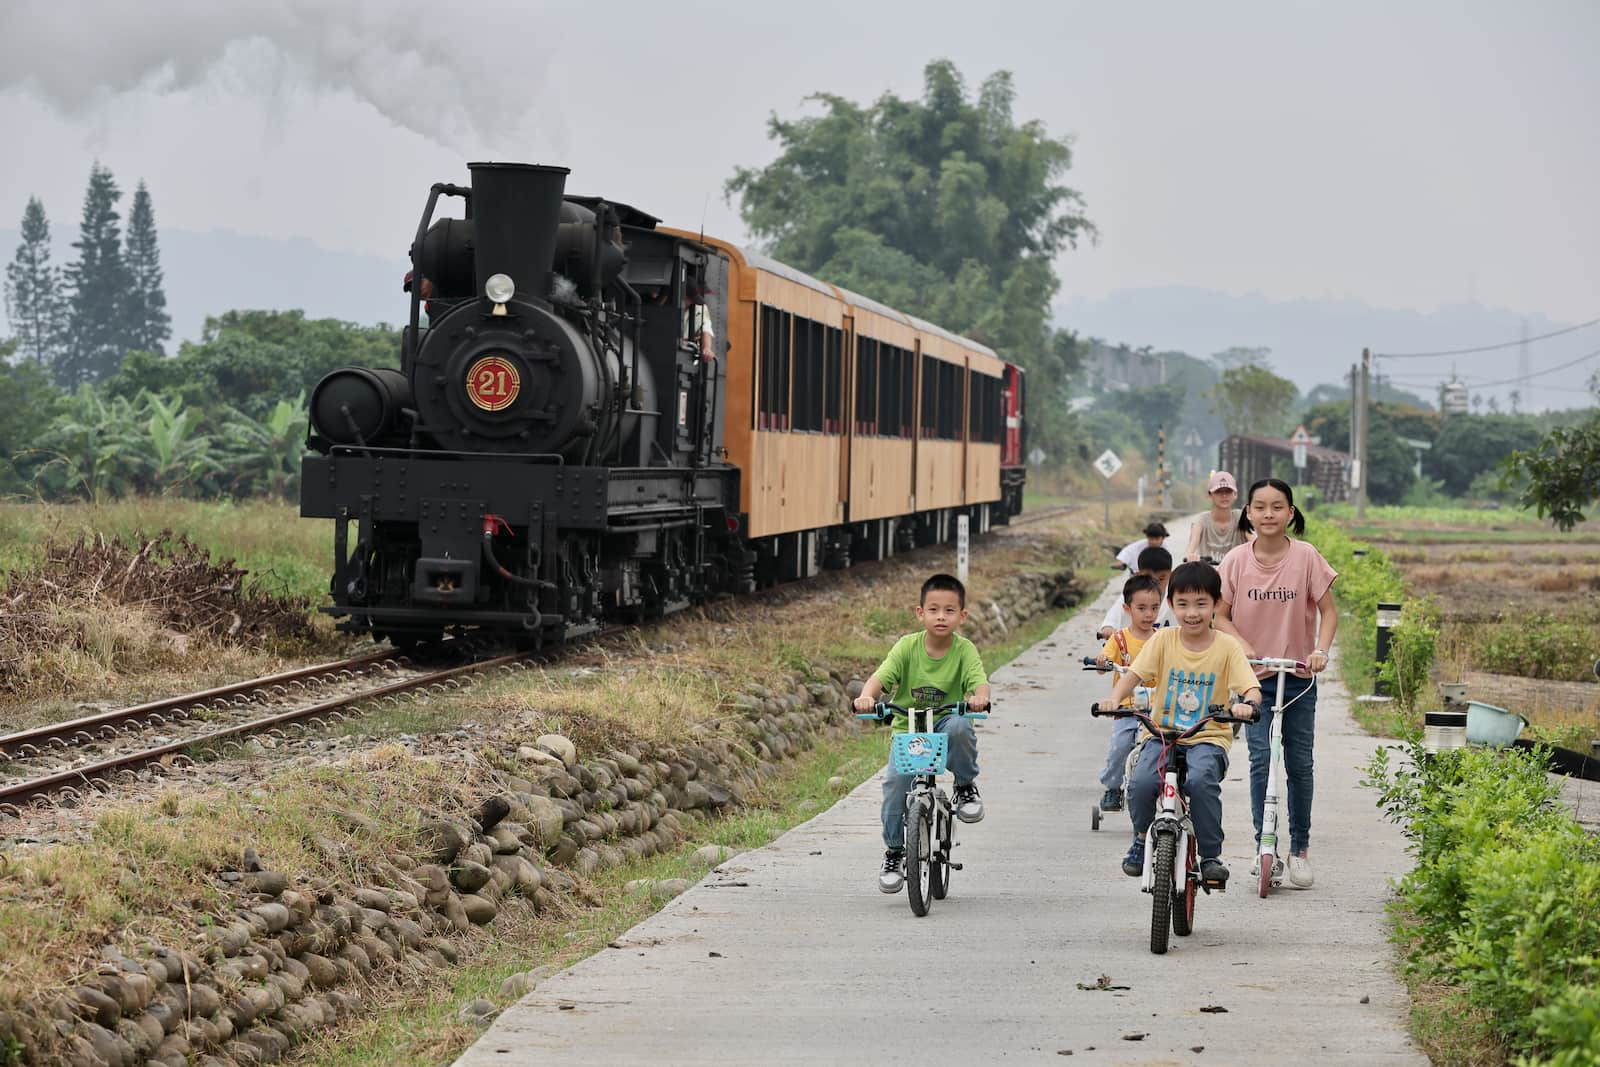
x=1161 y=462
x=1361 y=431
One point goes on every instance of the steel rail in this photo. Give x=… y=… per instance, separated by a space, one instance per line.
x=18 y=792
x=67 y=733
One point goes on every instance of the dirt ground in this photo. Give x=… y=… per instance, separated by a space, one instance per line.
x=1483 y=576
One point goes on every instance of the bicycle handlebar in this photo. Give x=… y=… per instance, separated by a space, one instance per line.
x=1090 y=663
x=1215 y=713
x=884 y=710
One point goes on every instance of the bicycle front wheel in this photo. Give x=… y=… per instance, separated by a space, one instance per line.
x=1162 y=891
x=919 y=856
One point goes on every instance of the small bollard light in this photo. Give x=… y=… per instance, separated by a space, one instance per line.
x=1388 y=619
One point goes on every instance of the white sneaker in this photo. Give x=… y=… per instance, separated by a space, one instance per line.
x=1300 y=872
x=892 y=876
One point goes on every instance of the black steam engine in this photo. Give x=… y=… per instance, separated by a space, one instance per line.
x=548 y=456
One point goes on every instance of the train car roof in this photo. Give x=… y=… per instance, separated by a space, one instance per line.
x=760 y=261
x=783 y=270
x=857 y=300
x=939 y=331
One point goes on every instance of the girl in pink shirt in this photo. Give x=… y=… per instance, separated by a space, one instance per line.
x=1277 y=599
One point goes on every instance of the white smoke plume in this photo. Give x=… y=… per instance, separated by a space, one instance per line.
x=470 y=77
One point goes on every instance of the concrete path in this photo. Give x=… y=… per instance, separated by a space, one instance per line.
x=789 y=954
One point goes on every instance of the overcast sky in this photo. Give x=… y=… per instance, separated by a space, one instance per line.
x=1403 y=154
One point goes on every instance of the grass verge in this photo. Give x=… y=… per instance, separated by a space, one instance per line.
x=422 y=1026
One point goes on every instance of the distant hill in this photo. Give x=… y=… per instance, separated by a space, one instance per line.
x=1315 y=341
x=209 y=273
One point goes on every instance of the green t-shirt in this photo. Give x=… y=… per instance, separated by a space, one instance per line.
x=913 y=678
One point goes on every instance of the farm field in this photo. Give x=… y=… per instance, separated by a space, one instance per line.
x=1519 y=606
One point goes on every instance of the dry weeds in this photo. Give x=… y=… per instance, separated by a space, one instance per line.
x=96 y=609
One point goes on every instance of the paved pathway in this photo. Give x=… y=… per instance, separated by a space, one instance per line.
x=789 y=954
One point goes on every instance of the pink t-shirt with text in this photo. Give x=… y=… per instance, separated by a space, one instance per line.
x=1275 y=607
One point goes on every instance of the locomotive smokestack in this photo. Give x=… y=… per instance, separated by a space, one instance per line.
x=516 y=210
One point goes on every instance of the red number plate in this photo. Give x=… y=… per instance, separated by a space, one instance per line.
x=493 y=383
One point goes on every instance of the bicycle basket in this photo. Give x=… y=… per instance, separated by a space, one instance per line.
x=918 y=753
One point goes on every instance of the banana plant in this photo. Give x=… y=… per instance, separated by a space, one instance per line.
x=173 y=453
x=90 y=450
x=264 y=453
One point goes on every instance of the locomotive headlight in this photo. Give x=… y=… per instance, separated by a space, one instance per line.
x=499 y=288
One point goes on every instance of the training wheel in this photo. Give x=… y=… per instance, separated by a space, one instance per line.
x=1094 y=817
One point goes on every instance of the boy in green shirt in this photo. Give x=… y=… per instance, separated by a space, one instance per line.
x=927 y=669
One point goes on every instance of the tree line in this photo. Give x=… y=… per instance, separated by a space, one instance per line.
x=78 y=321
x=225 y=416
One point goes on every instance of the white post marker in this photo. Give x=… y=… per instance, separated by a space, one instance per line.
x=1141 y=490
x=962 y=543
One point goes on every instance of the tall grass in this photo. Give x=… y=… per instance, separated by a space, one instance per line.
x=288 y=555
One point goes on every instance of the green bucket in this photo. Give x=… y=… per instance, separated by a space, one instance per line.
x=1492 y=726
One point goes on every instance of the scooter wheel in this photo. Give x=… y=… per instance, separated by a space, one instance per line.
x=1266 y=862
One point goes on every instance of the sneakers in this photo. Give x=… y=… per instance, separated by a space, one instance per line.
x=893 y=875
x=1133 y=862
x=1112 y=801
x=1300 y=871
x=1213 y=870
x=969 y=808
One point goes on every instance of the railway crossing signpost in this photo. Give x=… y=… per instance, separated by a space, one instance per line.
x=1300 y=439
x=1108 y=464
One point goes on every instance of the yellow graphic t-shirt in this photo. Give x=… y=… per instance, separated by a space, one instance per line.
x=1185 y=683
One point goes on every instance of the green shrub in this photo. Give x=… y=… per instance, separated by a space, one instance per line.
x=1502 y=900
x=1412 y=645
x=1540 y=646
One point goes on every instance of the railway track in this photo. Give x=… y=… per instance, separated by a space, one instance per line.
x=60 y=759
x=1029 y=517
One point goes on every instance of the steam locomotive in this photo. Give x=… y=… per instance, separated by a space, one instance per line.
x=600 y=419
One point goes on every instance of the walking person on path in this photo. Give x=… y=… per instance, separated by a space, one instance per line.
x=1277 y=599
x=1214 y=535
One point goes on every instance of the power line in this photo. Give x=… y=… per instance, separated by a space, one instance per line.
x=1539 y=374
x=1484 y=348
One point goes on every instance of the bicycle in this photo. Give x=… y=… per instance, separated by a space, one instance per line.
x=930 y=816
x=1173 y=892
x=1269 y=865
x=1141 y=701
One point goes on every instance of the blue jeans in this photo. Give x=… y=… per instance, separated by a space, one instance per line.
x=1299 y=730
x=1124 y=735
x=1207 y=765
x=961 y=761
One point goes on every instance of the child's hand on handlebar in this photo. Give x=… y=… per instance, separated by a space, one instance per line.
x=864 y=704
x=1245 y=709
x=1317 y=662
x=977 y=705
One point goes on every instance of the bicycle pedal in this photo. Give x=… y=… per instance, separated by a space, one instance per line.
x=955 y=866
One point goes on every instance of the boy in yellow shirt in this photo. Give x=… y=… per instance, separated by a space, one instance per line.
x=1141 y=599
x=1188 y=668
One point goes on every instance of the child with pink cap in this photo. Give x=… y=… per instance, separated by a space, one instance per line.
x=1214 y=535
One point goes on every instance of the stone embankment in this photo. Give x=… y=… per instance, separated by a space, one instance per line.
x=303 y=954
